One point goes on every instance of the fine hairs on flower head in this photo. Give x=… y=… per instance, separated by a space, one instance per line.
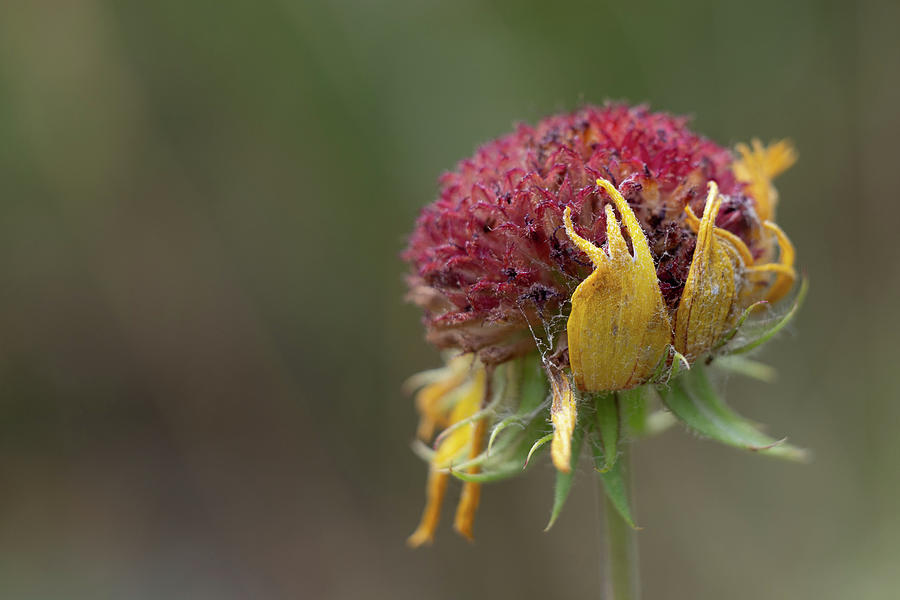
x=582 y=276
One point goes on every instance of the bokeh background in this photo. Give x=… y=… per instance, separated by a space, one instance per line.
x=202 y=332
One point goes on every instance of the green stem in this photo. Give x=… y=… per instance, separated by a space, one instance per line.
x=622 y=581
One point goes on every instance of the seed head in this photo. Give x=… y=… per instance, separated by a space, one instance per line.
x=491 y=254
x=575 y=246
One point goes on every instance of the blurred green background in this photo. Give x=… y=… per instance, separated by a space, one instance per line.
x=202 y=332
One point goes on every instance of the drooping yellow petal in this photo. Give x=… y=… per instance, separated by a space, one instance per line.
x=710 y=294
x=471 y=396
x=434 y=498
x=618 y=328
x=563 y=415
x=758 y=166
x=467 y=405
x=471 y=492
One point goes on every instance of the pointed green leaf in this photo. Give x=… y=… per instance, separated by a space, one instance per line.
x=515 y=446
x=529 y=389
x=522 y=386
x=607 y=427
x=680 y=364
x=693 y=400
x=661 y=371
x=535 y=447
x=564 y=480
x=509 y=455
x=505 y=471
x=770 y=332
x=525 y=391
x=614 y=484
x=513 y=420
x=740 y=323
x=605 y=440
x=484 y=412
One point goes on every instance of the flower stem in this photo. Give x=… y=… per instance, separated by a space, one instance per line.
x=621 y=556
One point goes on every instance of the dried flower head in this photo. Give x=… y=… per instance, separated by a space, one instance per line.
x=567 y=261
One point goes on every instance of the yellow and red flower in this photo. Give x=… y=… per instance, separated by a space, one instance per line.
x=573 y=249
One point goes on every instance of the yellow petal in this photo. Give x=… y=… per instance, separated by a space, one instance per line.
x=618 y=328
x=786 y=275
x=434 y=494
x=441 y=382
x=784 y=269
x=467 y=405
x=471 y=492
x=470 y=399
x=563 y=414
x=706 y=307
x=738 y=244
x=758 y=166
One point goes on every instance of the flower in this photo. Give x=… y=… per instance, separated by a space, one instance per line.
x=566 y=260
x=618 y=327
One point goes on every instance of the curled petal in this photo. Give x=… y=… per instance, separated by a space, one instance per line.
x=785 y=266
x=618 y=328
x=711 y=292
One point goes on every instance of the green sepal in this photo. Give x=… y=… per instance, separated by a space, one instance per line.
x=525 y=389
x=483 y=413
x=508 y=470
x=607 y=426
x=535 y=447
x=740 y=323
x=510 y=455
x=680 y=364
x=605 y=439
x=564 y=480
x=669 y=366
x=769 y=330
x=692 y=399
x=613 y=482
x=513 y=420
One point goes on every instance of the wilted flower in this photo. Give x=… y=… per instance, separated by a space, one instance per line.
x=566 y=261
